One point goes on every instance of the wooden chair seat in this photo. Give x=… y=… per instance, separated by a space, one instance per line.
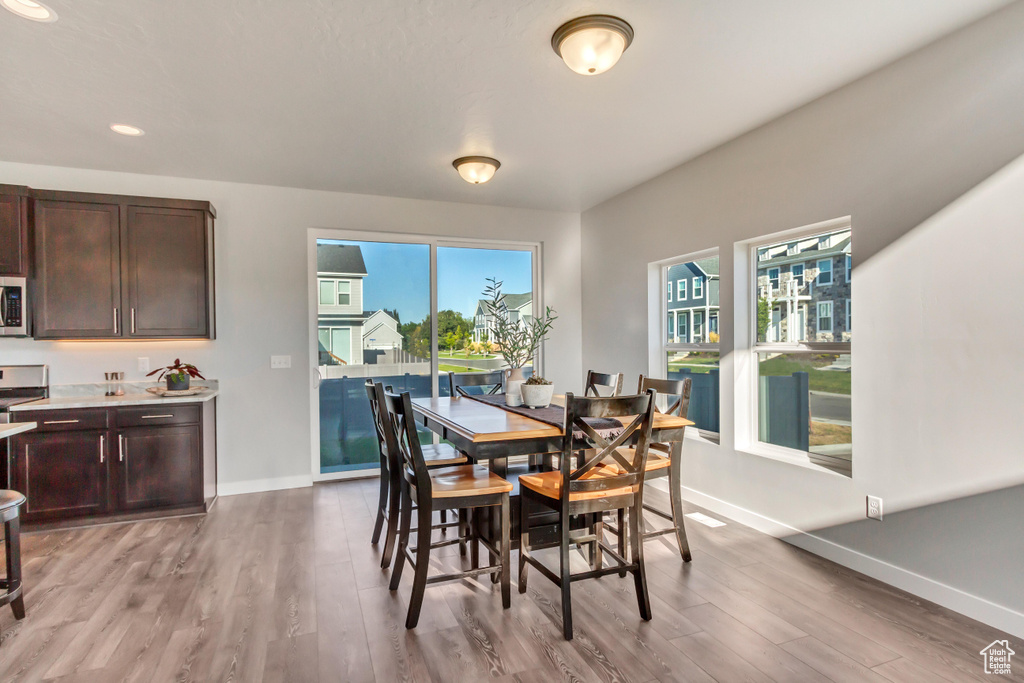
x=654 y=462
x=549 y=484
x=441 y=455
x=466 y=480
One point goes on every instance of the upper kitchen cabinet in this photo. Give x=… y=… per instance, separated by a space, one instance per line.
x=112 y=267
x=13 y=231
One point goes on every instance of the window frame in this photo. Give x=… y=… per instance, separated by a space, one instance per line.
x=660 y=346
x=320 y=291
x=339 y=293
x=831 y=316
x=847 y=325
x=849 y=268
x=803 y=269
x=748 y=348
x=669 y=298
x=778 y=278
x=698 y=285
x=831 y=272
x=681 y=289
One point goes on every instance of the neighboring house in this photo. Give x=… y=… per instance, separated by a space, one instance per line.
x=340 y=318
x=807 y=283
x=692 y=298
x=380 y=332
x=520 y=310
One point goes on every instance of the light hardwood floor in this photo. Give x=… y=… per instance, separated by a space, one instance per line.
x=285 y=586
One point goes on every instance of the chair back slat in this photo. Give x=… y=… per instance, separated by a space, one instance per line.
x=387 y=436
x=636 y=432
x=399 y=407
x=458 y=380
x=598 y=381
x=676 y=390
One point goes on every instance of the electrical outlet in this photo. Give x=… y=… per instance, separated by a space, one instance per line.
x=875 y=508
x=280 y=362
x=143 y=364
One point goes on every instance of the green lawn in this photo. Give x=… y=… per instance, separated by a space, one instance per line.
x=695 y=362
x=456 y=368
x=831 y=381
x=464 y=354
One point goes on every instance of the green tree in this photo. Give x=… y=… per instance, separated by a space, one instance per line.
x=764 y=318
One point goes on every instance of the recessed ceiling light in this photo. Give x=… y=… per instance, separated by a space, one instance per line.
x=36 y=11
x=125 y=129
x=476 y=170
x=592 y=44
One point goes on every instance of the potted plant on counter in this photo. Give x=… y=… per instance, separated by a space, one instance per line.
x=177 y=375
x=537 y=392
x=517 y=339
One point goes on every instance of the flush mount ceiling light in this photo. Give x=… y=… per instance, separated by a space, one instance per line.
x=592 y=44
x=476 y=170
x=36 y=11
x=125 y=129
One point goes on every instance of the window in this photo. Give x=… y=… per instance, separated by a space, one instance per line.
x=326 y=292
x=690 y=334
x=824 y=317
x=824 y=272
x=797 y=269
x=849 y=267
x=800 y=377
x=344 y=292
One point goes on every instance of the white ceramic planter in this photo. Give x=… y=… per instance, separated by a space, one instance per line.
x=513 y=381
x=537 y=395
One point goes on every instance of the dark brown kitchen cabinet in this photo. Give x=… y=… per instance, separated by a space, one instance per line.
x=119 y=462
x=159 y=466
x=13 y=231
x=62 y=474
x=113 y=267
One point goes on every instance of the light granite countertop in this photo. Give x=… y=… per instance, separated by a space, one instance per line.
x=94 y=396
x=7 y=430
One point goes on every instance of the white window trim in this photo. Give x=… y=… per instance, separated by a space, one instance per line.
x=777 y=278
x=680 y=289
x=831 y=316
x=319 y=291
x=849 y=266
x=669 y=292
x=657 y=338
x=698 y=284
x=847 y=322
x=746 y=347
x=831 y=273
x=803 y=269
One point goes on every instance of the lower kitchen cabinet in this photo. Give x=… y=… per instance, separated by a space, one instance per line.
x=62 y=474
x=116 y=462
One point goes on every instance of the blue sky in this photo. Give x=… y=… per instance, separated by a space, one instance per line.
x=398 y=276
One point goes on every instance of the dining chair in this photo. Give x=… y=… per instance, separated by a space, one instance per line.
x=591 y=490
x=389 y=498
x=599 y=381
x=458 y=380
x=663 y=460
x=471 y=487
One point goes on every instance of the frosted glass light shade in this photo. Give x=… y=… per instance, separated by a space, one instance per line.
x=36 y=11
x=593 y=44
x=476 y=170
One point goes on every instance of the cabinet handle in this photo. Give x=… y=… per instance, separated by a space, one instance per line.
x=60 y=422
x=117 y=327
x=153 y=417
x=120 y=448
x=133 y=320
x=102 y=449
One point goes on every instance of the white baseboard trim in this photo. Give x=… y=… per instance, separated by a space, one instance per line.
x=257 y=485
x=997 y=616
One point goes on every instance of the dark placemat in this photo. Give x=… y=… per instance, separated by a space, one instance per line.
x=553 y=415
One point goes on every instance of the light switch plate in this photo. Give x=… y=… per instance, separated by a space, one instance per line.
x=143 y=364
x=280 y=362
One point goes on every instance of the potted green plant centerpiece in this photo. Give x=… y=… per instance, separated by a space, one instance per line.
x=517 y=339
x=177 y=375
x=537 y=392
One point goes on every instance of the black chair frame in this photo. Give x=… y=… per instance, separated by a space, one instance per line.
x=495 y=379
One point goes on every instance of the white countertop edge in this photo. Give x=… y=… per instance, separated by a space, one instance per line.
x=13 y=428
x=146 y=399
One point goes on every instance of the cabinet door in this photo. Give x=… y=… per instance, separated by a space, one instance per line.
x=159 y=466
x=62 y=474
x=77 y=271
x=166 y=273
x=13 y=235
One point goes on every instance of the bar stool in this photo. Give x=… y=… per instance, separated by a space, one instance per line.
x=10 y=505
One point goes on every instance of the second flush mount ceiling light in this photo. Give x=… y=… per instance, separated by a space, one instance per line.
x=592 y=44
x=476 y=170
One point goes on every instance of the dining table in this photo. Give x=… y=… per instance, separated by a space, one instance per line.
x=489 y=433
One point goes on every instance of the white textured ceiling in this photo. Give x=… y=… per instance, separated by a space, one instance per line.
x=378 y=96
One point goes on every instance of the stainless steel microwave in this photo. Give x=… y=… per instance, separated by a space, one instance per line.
x=13 y=307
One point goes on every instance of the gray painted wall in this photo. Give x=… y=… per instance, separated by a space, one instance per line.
x=924 y=155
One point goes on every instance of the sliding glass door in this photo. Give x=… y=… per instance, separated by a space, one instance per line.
x=404 y=312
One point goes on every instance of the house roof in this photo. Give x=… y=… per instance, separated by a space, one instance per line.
x=513 y=301
x=340 y=258
x=806 y=255
x=708 y=265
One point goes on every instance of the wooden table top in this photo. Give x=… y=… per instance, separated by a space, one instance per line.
x=481 y=423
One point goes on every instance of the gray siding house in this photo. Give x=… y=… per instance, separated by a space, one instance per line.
x=692 y=295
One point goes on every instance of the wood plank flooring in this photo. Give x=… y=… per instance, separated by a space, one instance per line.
x=285 y=586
